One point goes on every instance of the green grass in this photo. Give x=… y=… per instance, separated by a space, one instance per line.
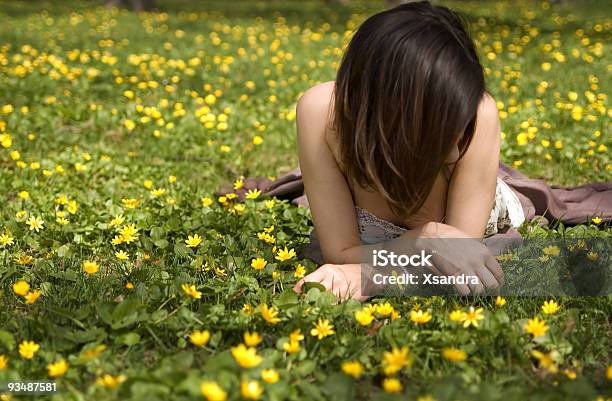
x=71 y=65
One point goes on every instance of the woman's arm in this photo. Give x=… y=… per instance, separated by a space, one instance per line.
x=471 y=191
x=329 y=197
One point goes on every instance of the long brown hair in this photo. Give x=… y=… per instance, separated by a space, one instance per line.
x=407 y=90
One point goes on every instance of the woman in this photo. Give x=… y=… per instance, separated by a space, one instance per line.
x=406 y=136
x=404 y=144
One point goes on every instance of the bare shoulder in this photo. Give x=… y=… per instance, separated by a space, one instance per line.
x=318 y=97
x=487 y=122
x=314 y=109
x=487 y=110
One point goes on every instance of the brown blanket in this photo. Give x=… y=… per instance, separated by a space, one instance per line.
x=569 y=205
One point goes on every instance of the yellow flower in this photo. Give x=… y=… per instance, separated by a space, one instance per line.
x=238 y=184
x=35 y=223
x=270 y=314
x=551 y=250
x=190 y=289
x=32 y=297
x=92 y=352
x=6 y=239
x=110 y=381
x=158 y=192
x=292 y=347
x=300 y=271
x=454 y=354
x=392 y=385
x=246 y=357
x=206 y=201
x=500 y=301
x=21 y=287
x=384 y=309
x=596 y=220
x=270 y=375
x=420 y=317
x=90 y=267
x=27 y=349
x=129 y=233
x=396 y=360
x=570 y=374
x=252 y=194
x=251 y=389
x=248 y=309
x=24 y=259
x=212 y=391
x=57 y=368
x=472 y=317
x=122 y=255
x=210 y=99
x=322 y=329
x=258 y=263
x=457 y=315
x=296 y=335
x=285 y=254
x=199 y=338
x=550 y=307
x=252 y=339
x=546 y=361
x=193 y=241
x=352 y=368
x=536 y=327
x=3 y=362
x=266 y=238
x=129 y=124
x=257 y=140
x=117 y=220
x=609 y=372
x=130 y=203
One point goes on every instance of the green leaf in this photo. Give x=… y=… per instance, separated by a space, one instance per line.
x=181 y=249
x=129 y=339
x=7 y=340
x=161 y=243
x=307 y=286
x=64 y=251
x=339 y=387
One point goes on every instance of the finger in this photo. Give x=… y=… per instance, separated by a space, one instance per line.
x=316 y=277
x=441 y=267
x=495 y=269
x=298 y=286
x=476 y=289
x=462 y=289
x=445 y=268
x=488 y=279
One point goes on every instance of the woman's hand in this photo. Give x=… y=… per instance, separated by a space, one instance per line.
x=455 y=252
x=344 y=281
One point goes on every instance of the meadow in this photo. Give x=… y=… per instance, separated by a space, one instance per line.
x=123 y=276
